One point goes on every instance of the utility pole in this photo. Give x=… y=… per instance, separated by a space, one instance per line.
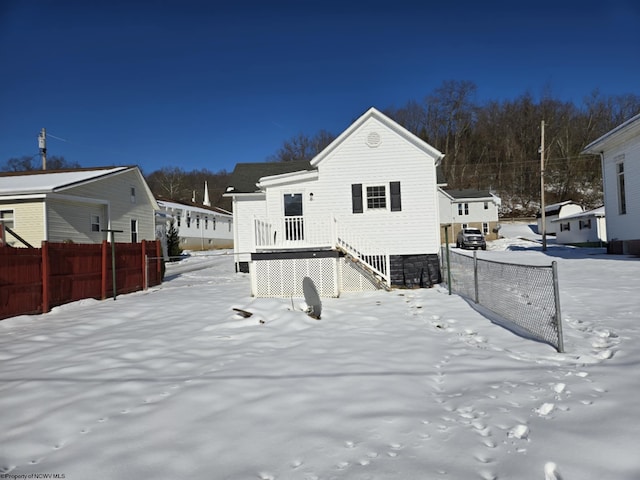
x=542 y=212
x=42 y=144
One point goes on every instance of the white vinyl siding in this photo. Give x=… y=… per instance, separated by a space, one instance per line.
x=413 y=230
x=623 y=226
x=70 y=221
x=247 y=209
x=119 y=189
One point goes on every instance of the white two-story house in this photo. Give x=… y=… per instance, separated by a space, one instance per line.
x=469 y=208
x=362 y=213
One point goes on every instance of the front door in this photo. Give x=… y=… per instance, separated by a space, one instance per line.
x=293 y=220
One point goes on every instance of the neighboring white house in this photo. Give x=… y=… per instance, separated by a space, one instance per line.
x=76 y=206
x=554 y=212
x=619 y=152
x=469 y=208
x=200 y=227
x=364 y=210
x=582 y=228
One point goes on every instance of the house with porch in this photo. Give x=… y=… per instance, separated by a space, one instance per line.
x=362 y=214
x=619 y=152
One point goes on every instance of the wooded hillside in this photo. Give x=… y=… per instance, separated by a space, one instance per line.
x=492 y=145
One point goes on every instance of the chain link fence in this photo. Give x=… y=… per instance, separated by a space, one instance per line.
x=525 y=295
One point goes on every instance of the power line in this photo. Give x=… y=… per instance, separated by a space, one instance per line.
x=519 y=162
x=58 y=138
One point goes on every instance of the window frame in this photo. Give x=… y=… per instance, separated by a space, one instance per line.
x=12 y=219
x=95 y=225
x=463 y=209
x=134 y=230
x=375 y=197
x=620 y=184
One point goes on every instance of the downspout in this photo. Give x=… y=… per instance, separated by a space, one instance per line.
x=235 y=234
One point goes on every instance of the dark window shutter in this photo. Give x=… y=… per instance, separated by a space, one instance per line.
x=356 y=197
x=396 y=203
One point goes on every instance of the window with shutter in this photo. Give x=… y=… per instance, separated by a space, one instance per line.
x=396 y=203
x=356 y=197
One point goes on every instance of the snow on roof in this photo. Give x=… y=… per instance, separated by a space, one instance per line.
x=26 y=183
x=596 y=212
x=192 y=207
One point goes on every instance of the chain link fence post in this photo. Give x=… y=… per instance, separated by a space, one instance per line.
x=556 y=294
x=475 y=276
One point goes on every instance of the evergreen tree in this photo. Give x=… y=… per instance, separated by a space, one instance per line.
x=173 y=241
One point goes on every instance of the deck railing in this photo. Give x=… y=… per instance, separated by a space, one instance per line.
x=293 y=232
x=375 y=258
x=298 y=232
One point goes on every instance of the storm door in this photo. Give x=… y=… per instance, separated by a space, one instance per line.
x=293 y=220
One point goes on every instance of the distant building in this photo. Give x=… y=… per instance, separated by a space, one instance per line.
x=469 y=209
x=554 y=212
x=200 y=227
x=582 y=228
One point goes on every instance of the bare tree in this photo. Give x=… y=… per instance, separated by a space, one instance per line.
x=302 y=147
x=169 y=182
x=30 y=163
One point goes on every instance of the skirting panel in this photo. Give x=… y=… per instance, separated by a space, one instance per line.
x=283 y=278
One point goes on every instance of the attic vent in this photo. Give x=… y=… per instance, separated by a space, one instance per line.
x=373 y=139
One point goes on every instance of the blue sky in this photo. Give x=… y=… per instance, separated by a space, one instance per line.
x=197 y=84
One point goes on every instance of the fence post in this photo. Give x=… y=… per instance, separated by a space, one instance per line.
x=144 y=264
x=556 y=294
x=475 y=275
x=103 y=292
x=446 y=241
x=46 y=274
x=159 y=260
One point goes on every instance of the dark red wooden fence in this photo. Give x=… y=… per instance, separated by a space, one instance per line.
x=33 y=280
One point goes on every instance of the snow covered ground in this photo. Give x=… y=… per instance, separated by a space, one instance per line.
x=408 y=384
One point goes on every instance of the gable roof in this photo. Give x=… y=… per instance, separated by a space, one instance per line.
x=386 y=121
x=246 y=176
x=49 y=181
x=596 y=212
x=623 y=131
x=44 y=182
